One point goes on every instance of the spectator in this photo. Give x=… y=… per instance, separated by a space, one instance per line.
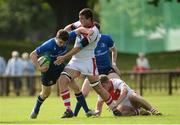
x=28 y=70
x=2 y=71
x=14 y=69
x=142 y=63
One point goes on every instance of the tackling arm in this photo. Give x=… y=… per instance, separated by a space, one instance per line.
x=123 y=94
x=99 y=106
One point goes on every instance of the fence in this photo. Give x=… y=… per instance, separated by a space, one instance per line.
x=151 y=81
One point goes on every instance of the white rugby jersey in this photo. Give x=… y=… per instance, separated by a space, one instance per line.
x=88 y=51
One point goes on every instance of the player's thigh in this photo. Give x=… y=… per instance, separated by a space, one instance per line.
x=72 y=73
x=135 y=99
x=92 y=78
x=126 y=110
x=86 y=87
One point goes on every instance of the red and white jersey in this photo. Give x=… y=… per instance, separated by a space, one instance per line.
x=116 y=87
x=84 y=60
x=88 y=51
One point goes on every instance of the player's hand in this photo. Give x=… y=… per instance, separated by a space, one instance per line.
x=43 y=68
x=59 y=60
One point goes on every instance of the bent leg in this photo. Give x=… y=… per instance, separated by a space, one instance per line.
x=86 y=87
x=126 y=110
x=45 y=92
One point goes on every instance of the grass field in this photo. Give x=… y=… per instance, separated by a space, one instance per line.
x=16 y=110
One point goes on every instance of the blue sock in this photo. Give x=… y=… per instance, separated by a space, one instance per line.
x=38 y=104
x=81 y=100
x=77 y=109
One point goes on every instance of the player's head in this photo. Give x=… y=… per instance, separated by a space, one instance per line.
x=86 y=17
x=62 y=36
x=104 y=81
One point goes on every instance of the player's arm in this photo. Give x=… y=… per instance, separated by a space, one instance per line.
x=34 y=57
x=61 y=59
x=114 y=59
x=99 y=106
x=70 y=27
x=123 y=94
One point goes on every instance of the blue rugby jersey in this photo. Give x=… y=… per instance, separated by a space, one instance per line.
x=102 y=53
x=51 y=48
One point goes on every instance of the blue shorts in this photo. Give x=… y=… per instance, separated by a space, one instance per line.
x=106 y=71
x=50 y=77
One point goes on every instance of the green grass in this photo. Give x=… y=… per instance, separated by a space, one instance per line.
x=17 y=110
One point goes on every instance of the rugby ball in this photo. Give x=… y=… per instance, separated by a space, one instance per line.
x=44 y=61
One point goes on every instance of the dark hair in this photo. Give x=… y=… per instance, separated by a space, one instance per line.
x=62 y=34
x=87 y=12
x=103 y=78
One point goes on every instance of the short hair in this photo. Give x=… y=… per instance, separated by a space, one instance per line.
x=87 y=12
x=62 y=34
x=103 y=78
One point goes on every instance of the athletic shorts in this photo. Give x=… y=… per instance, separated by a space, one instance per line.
x=86 y=66
x=106 y=71
x=50 y=77
x=126 y=101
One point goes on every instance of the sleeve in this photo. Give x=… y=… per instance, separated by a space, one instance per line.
x=44 y=48
x=77 y=42
x=72 y=36
x=118 y=84
x=110 y=42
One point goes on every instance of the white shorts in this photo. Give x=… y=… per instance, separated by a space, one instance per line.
x=126 y=101
x=86 y=67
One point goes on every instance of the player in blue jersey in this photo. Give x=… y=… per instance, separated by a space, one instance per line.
x=53 y=48
x=103 y=61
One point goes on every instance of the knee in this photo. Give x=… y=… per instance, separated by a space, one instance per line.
x=65 y=77
x=45 y=95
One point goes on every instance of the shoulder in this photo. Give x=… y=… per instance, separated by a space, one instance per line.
x=49 y=42
x=106 y=37
x=77 y=24
x=116 y=82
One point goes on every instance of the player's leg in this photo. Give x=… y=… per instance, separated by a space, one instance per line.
x=139 y=101
x=127 y=110
x=64 y=80
x=85 y=91
x=95 y=84
x=86 y=87
x=67 y=77
x=45 y=92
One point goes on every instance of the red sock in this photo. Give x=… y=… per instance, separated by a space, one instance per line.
x=66 y=98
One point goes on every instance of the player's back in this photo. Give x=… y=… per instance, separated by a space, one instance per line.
x=118 y=84
x=102 y=52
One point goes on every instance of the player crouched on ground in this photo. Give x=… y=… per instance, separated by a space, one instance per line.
x=128 y=102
